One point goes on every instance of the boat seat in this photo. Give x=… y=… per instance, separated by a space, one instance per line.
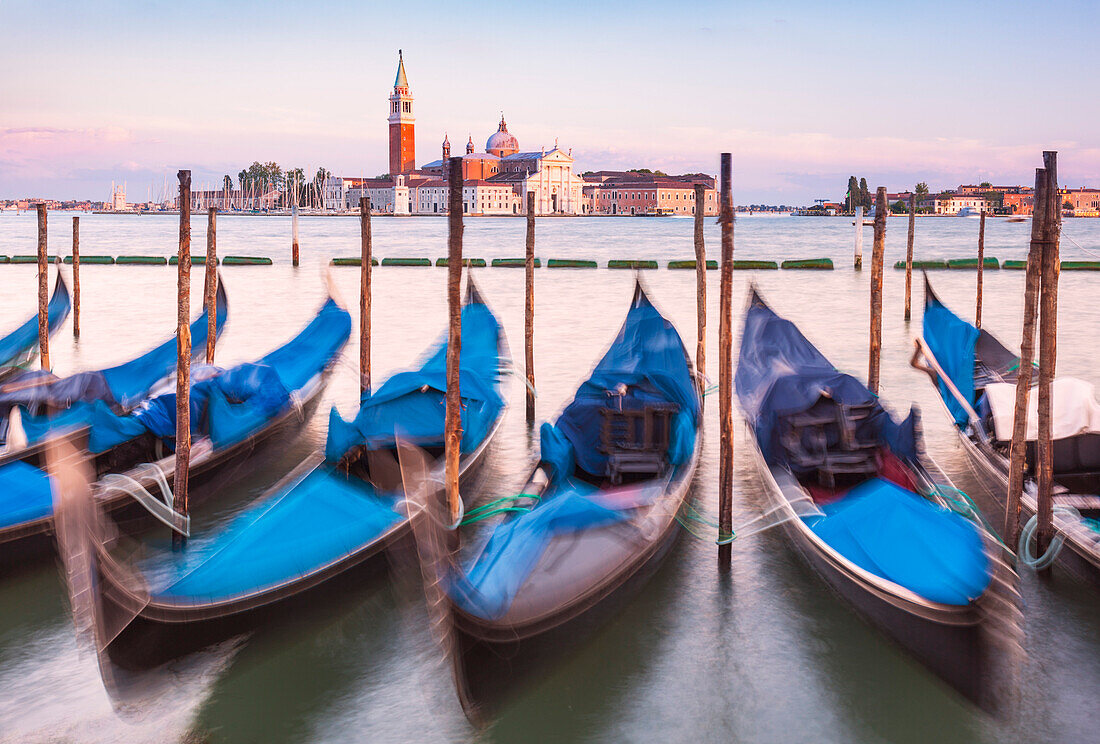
x=824 y=444
x=636 y=440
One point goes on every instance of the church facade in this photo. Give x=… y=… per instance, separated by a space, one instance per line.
x=495 y=181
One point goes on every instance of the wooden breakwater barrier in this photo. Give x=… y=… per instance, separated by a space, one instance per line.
x=352 y=261
x=953 y=263
x=24 y=259
x=570 y=263
x=825 y=264
x=1065 y=265
x=631 y=263
x=141 y=261
x=175 y=260
x=246 y=261
x=514 y=263
x=91 y=260
x=743 y=264
x=406 y=262
x=467 y=263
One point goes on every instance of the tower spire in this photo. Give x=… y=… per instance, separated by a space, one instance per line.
x=401 y=121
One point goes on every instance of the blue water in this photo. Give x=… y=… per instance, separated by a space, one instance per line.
x=767 y=654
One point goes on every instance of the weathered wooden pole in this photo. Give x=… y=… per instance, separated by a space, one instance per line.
x=1048 y=355
x=877 y=253
x=700 y=289
x=43 y=292
x=529 y=309
x=981 y=270
x=210 y=284
x=1040 y=233
x=76 y=277
x=725 y=366
x=453 y=419
x=183 y=356
x=858 y=212
x=364 y=293
x=294 y=231
x=909 y=257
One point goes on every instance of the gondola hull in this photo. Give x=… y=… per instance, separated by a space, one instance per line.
x=491 y=661
x=964 y=646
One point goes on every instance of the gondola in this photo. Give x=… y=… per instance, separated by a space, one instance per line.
x=866 y=509
x=20 y=346
x=321 y=526
x=595 y=519
x=975 y=375
x=35 y=405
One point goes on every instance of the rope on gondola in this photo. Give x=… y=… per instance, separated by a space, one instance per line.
x=503 y=505
x=966 y=507
x=1027 y=536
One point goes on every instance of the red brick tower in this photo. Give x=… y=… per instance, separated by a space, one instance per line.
x=402 y=139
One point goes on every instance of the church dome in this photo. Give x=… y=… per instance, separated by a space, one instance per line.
x=501 y=143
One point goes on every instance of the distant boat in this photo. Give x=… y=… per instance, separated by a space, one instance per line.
x=1017 y=218
x=968 y=212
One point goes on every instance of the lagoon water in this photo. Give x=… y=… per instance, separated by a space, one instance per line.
x=765 y=653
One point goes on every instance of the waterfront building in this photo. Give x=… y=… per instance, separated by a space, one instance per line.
x=1082 y=202
x=1020 y=202
x=629 y=193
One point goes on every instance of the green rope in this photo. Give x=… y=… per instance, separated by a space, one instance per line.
x=503 y=505
x=694 y=517
x=966 y=507
x=711 y=389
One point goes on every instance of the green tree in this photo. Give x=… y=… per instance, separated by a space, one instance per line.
x=227 y=182
x=899 y=207
x=985 y=185
x=850 y=199
x=864 y=195
x=995 y=199
x=1067 y=204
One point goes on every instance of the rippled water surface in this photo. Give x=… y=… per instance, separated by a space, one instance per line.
x=763 y=654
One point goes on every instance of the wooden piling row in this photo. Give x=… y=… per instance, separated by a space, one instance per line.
x=210 y=283
x=365 y=262
x=725 y=366
x=529 y=309
x=700 y=289
x=453 y=419
x=1041 y=226
x=909 y=256
x=76 y=277
x=1048 y=355
x=878 y=251
x=43 y=292
x=981 y=271
x=183 y=355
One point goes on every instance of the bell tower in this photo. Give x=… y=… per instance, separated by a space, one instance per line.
x=402 y=137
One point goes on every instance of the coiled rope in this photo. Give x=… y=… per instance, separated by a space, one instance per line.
x=1027 y=536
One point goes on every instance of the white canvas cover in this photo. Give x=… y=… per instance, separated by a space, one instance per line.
x=1073 y=409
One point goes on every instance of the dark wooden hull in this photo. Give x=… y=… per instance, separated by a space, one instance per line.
x=973 y=649
x=24 y=545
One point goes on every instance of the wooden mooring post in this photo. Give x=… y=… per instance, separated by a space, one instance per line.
x=877 y=253
x=210 y=283
x=1048 y=354
x=43 y=292
x=294 y=233
x=725 y=366
x=76 y=277
x=364 y=293
x=858 y=214
x=183 y=357
x=453 y=418
x=981 y=271
x=1044 y=232
x=700 y=291
x=909 y=256
x=529 y=309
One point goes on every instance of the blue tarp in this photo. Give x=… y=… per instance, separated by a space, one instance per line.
x=908 y=540
x=25 y=338
x=649 y=360
x=120 y=387
x=413 y=403
x=25 y=494
x=491 y=582
x=780 y=373
x=321 y=519
x=647 y=363
x=951 y=339
x=230 y=405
